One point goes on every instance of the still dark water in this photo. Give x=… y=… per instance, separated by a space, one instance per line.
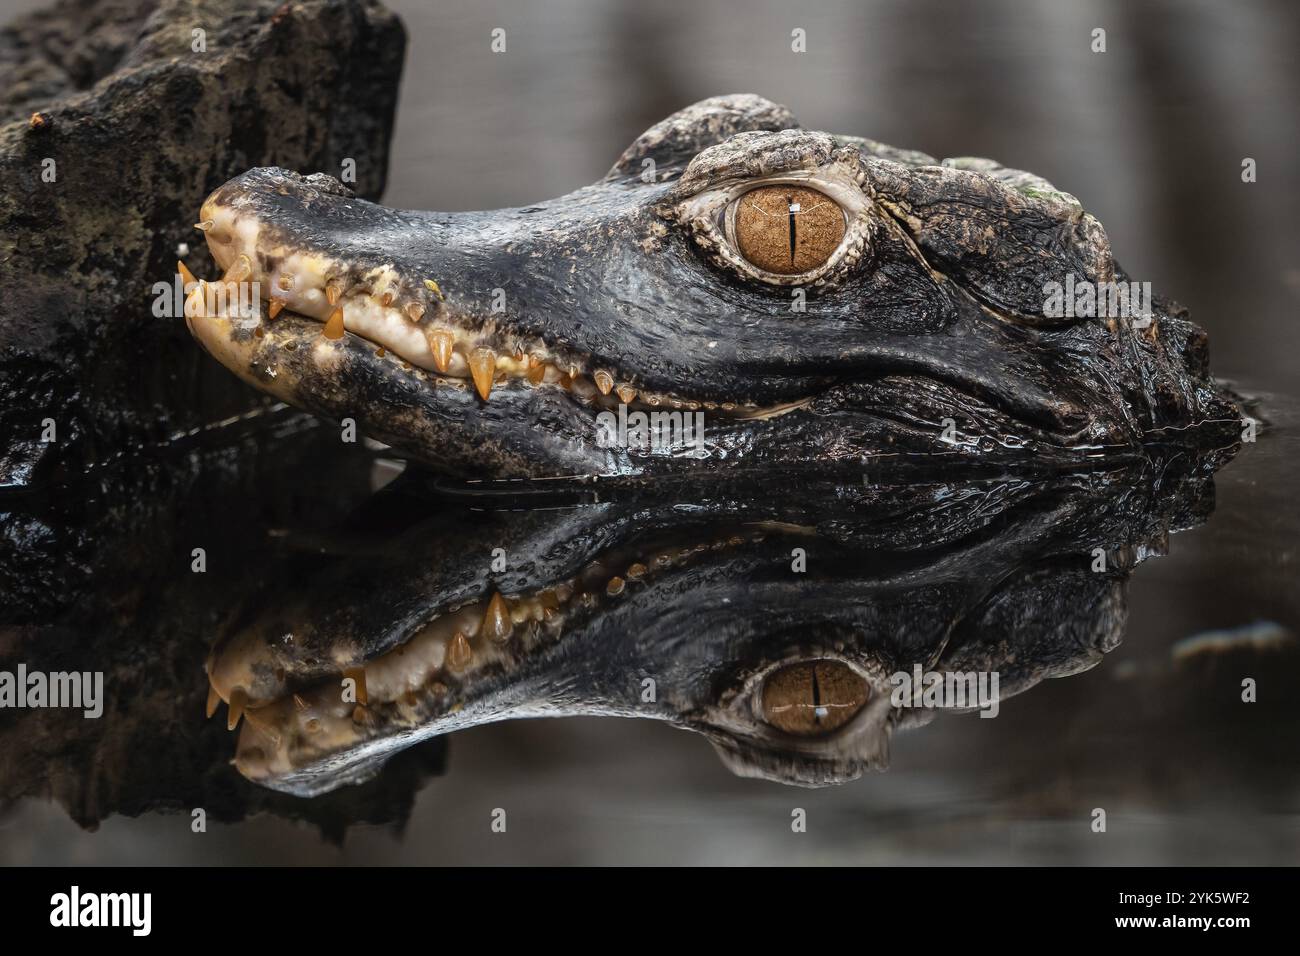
x=1150 y=136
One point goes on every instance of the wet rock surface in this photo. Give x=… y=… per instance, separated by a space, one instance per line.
x=120 y=119
x=156 y=450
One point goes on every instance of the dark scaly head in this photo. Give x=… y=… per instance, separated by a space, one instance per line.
x=814 y=297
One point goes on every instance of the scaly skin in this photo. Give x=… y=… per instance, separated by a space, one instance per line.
x=487 y=344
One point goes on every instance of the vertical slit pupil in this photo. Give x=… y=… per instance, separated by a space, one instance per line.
x=791 y=205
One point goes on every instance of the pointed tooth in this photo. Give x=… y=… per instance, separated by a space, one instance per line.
x=239 y=270
x=214 y=700
x=332 y=292
x=536 y=370
x=299 y=703
x=496 y=620
x=459 y=653
x=205 y=225
x=414 y=311
x=483 y=365
x=187 y=277
x=626 y=393
x=440 y=342
x=604 y=381
x=276 y=306
x=238 y=697
x=358 y=674
x=334 y=325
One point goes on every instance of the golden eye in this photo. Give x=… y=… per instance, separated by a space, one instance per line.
x=813 y=697
x=787 y=229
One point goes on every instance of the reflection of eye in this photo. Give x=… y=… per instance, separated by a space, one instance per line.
x=812 y=697
x=787 y=229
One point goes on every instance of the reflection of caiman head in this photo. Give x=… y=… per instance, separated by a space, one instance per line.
x=814 y=297
x=773 y=628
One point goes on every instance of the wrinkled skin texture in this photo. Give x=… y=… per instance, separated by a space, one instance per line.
x=932 y=309
x=976 y=576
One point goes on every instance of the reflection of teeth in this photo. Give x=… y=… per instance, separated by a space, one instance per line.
x=408 y=681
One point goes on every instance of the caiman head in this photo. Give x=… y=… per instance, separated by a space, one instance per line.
x=775 y=627
x=807 y=297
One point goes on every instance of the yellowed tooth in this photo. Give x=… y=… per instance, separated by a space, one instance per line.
x=299 y=703
x=187 y=278
x=386 y=299
x=626 y=393
x=615 y=586
x=433 y=287
x=536 y=370
x=286 y=281
x=334 y=325
x=201 y=308
x=214 y=700
x=604 y=381
x=239 y=270
x=459 y=653
x=275 y=307
x=332 y=292
x=636 y=571
x=496 y=620
x=238 y=697
x=483 y=365
x=440 y=343
x=358 y=674
x=205 y=225
x=414 y=311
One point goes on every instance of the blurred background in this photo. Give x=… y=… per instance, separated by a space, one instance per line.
x=1150 y=136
